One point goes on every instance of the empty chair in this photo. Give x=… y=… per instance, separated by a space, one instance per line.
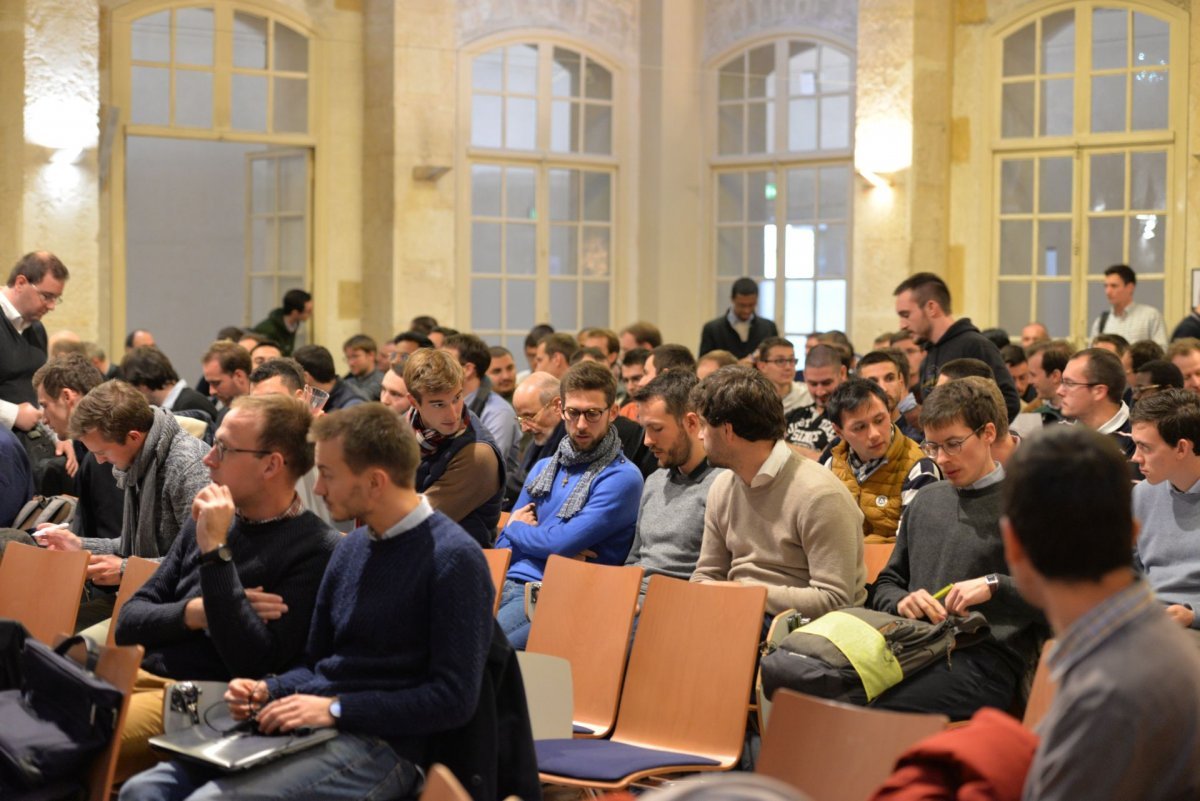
x=441 y=785
x=876 y=556
x=585 y=615
x=834 y=751
x=42 y=588
x=683 y=707
x=137 y=571
x=497 y=559
x=1042 y=693
x=547 y=681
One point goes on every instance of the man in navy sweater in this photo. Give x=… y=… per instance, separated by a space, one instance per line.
x=400 y=634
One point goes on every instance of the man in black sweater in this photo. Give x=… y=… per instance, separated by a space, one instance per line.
x=739 y=330
x=235 y=594
x=949 y=558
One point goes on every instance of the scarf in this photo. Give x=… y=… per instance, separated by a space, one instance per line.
x=139 y=531
x=568 y=455
x=430 y=439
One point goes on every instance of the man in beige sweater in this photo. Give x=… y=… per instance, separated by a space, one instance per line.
x=776 y=518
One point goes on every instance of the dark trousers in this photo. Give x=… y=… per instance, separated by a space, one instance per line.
x=975 y=677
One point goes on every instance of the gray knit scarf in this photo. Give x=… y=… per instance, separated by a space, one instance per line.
x=568 y=455
x=139 y=532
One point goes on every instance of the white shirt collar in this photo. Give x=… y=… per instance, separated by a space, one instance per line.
x=774 y=463
x=173 y=395
x=407 y=523
x=10 y=311
x=1116 y=421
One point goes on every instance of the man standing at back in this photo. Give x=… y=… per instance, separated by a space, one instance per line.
x=1134 y=321
x=923 y=304
x=282 y=323
x=739 y=330
x=35 y=287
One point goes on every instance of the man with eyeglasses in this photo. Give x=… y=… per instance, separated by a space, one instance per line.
x=1153 y=377
x=539 y=413
x=949 y=559
x=35 y=287
x=1091 y=392
x=776 y=359
x=581 y=501
x=235 y=594
x=809 y=430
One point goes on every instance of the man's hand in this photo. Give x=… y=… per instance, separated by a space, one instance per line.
x=212 y=509
x=65 y=448
x=194 y=616
x=105 y=570
x=57 y=538
x=921 y=604
x=245 y=696
x=27 y=417
x=295 y=711
x=1181 y=615
x=526 y=514
x=585 y=555
x=268 y=606
x=965 y=594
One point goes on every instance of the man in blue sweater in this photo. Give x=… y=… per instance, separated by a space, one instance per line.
x=1166 y=433
x=399 y=638
x=580 y=501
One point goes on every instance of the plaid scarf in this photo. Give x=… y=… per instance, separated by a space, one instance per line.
x=568 y=455
x=430 y=439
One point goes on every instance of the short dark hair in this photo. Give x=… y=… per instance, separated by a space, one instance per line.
x=132 y=335
x=1103 y=367
x=589 y=377
x=445 y=330
x=1126 y=273
x=1162 y=373
x=997 y=336
x=372 y=435
x=360 y=342
x=595 y=354
x=1068 y=497
x=635 y=356
x=961 y=368
x=423 y=324
x=232 y=333
x=673 y=357
x=611 y=343
x=851 y=395
x=1055 y=354
x=887 y=355
x=294 y=300
x=674 y=388
x=1174 y=412
x=958 y=401
x=743 y=397
x=230 y=356
x=764 y=347
x=644 y=333
x=536 y=333
x=1116 y=340
x=499 y=352
x=70 y=371
x=148 y=367
x=270 y=343
x=317 y=362
x=1145 y=350
x=744 y=287
x=926 y=287
x=559 y=343
x=413 y=336
x=34 y=266
x=283 y=426
x=825 y=355
x=288 y=370
x=471 y=350
x=112 y=410
x=1013 y=355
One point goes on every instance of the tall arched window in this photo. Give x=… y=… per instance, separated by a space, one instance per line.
x=543 y=174
x=1085 y=163
x=785 y=125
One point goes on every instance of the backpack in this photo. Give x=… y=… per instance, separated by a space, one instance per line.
x=855 y=655
x=42 y=509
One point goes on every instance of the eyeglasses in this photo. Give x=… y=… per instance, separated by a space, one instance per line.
x=951 y=447
x=221 y=449
x=1139 y=391
x=1069 y=384
x=528 y=419
x=49 y=297
x=781 y=362
x=591 y=415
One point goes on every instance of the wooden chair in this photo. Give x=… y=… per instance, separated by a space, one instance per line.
x=876 y=556
x=42 y=588
x=683 y=707
x=585 y=615
x=498 y=559
x=834 y=751
x=1042 y=693
x=548 y=693
x=137 y=571
x=441 y=785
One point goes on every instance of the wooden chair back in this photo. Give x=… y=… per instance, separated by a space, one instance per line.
x=691 y=669
x=137 y=571
x=498 y=559
x=876 y=556
x=42 y=588
x=585 y=615
x=834 y=751
x=1042 y=693
x=441 y=785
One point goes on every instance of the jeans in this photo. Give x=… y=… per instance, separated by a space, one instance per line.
x=511 y=616
x=975 y=677
x=346 y=768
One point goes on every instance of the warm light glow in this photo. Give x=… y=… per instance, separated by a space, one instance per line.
x=61 y=123
x=882 y=145
x=875 y=180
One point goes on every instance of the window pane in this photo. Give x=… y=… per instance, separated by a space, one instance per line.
x=263 y=296
x=263 y=183
x=194 y=36
x=1016 y=247
x=249 y=41
x=293 y=189
x=487 y=71
x=564 y=195
x=293 y=238
x=151 y=95
x=597 y=196
x=596 y=251
x=485 y=121
x=564 y=313
x=1020 y=51
x=1058 y=42
x=1016 y=186
x=564 y=250
x=831 y=306
x=1109 y=38
x=291 y=49
x=761 y=78
x=595 y=304
x=564 y=126
x=1058 y=112
x=835 y=122
x=485 y=190
x=729 y=196
x=597 y=82
x=729 y=129
x=802 y=194
x=522 y=69
x=1014 y=305
x=802 y=68
x=831 y=250
x=802 y=124
x=1106 y=245
x=249 y=102
x=485 y=247
x=835 y=70
x=564 y=73
x=1150 y=100
x=1096 y=301
x=150 y=37
x=766 y=299
x=193 y=98
x=729 y=250
x=759 y=137
x=519 y=249
x=798 y=306
x=520 y=306
x=1150 y=292
x=1147 y=240
x=1148 y=180
x=1151 y=40
x=1107 y=182
x=1108 y=103
x=520 y=123
x=1054 y=307
x=731 y=83
x=1054 y=247
x=800 y=252
x=760 y=249
x=835 y=186
x=519 y=198
x=485 y=303
x=291 y=105
x=760 y=196
x=1056 y=185
x=262 y=246
x=597 y=129
x=1016 y=110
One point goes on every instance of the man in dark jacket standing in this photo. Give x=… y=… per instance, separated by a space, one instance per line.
x=282 y=323
x=739 y=330
x=923 y=304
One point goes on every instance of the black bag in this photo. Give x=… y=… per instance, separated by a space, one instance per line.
x=854 y=655
x=59 y=717
x=49 y=470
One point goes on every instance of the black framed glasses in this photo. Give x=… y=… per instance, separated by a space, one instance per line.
x=951 y=447
x=222 y=450
x=781 y=362
x=591 y=415
x=1069 y=384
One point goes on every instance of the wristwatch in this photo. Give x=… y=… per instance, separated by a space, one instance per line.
x=993 y=582
x=335 y=709
x=219 y=554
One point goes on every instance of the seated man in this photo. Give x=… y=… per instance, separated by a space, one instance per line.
x=1153 y=377
x=539 y=413
x=321 y=374
x=226 y=373
x=235 y=594
x=949 y=538
x=150 y=372
x=502 y=372
x=16 y=477
x=888 y=368
x=497 y=415
x=579 y=500
x=461 y=472
x=399 y=638
x=670 y=523
x=882 y=468
x=360 y=352
x=1092 y=389
x=809 y=429
x=1120 y=665
x=1166 y=431
x=775 y=518
x=394 y=394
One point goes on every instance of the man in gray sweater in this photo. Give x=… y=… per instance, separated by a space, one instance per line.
x=670 y=523
x=949 y=558
x=1166 y=433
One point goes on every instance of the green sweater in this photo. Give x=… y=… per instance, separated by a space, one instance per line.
x=275 y=328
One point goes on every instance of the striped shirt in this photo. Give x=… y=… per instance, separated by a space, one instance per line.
x=1090 y=631
x=1136 y=323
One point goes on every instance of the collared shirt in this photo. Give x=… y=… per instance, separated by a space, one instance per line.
x=1137 y=322
x=173 y=395
x=1115 y=422
x=1097 y=625
x=295 y=509
x=994 y=477
x=677 y=476
x=774 y=463
x=863 y=470
x=14 y=316
x=740 y=327
x=407 y=523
